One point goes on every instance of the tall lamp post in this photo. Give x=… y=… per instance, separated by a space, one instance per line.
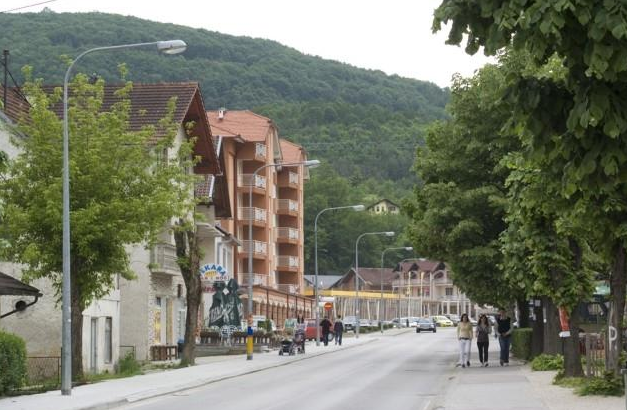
x=309 y=164
x=167 y=47
x=407 y=248
x=353 y=207
x=388 y=233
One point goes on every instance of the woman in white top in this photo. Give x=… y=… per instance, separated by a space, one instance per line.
x=464 y=335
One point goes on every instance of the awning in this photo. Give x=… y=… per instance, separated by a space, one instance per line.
x=11 y=286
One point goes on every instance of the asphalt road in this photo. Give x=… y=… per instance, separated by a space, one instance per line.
x=407 y=371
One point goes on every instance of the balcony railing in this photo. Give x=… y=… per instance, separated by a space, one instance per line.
x=293 y=178
x=258 y=279
x=288 y=288
x=252 y=214
x=260 y=150
x=163 y=259
x=246 y=180
x=287 y=205
x=259 y=247
x=287 y=233
x=287 y=261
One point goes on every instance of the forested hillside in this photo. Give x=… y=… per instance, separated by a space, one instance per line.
x=364 y=124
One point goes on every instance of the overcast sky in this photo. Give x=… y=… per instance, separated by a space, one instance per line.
x=393 y=36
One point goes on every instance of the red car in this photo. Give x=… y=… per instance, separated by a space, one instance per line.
x=310 y=330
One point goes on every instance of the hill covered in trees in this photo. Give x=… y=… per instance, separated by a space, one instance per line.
x=364 y=124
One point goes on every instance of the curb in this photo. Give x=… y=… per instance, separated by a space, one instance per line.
x=176 y=389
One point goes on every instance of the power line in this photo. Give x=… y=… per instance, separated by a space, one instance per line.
x=25 y=7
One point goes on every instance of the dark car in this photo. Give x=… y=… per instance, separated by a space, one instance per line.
x=425 y=325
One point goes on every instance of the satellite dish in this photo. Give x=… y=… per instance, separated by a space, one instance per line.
x=20 y=306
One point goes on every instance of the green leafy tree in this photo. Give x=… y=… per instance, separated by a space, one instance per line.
x=457 y=215
x=122 y=192
x=579 y=124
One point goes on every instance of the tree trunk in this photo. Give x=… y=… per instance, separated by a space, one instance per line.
x=77 y=330
x=617 y=308
x=572 y=355
x=523 y=312
x=552 y=343
x=187 y=250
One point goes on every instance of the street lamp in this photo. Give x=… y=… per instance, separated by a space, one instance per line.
x=167 y=47
x=309 y=164
x=407 y=248
x=355 y=208
x=388 y=233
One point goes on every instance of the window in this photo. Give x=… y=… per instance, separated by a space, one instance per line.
x=108 y=340
x=449 y=291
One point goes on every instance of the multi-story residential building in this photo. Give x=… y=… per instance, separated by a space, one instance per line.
x=150 y=310
x=268 y=200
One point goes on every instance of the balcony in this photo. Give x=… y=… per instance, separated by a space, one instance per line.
x=257 y=216
x=288 y=179
x=287 y=263
x=258 y=279
x=246 y=181
x=287 y=235
x=288 y=288
x=163 y=260
x=287 y=207
x=260 y=151
x=260 y=249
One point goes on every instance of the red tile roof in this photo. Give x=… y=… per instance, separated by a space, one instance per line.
x=245 y=124
x=292 y=152
x=149 y=104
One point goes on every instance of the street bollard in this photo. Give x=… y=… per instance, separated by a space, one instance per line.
x=249 y=339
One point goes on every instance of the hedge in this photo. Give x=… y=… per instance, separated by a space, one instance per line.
x=12 y=362
x=521 y=343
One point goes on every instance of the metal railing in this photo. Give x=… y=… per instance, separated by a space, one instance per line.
x=44 y=371
x=287 y=261
x=287 y=233
x=246 y=180
x=163 y=259
x=258 y=247
x=260 y=150
x=287 y=205
x=287 y=287
x=252 y=214
x=258 y=279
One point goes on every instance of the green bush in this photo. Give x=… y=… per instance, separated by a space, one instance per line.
x=129 y=365
x=12 y=362
x=608 y=385
x=545 y=362
x=521 y=343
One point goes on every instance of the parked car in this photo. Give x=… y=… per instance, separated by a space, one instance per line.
x=442 y=321
x=349 y=323
x=310 y=330
x=425 y=325
x=454 y=318
x=472 y=320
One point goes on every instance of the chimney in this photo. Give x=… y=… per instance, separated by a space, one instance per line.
x=221 y=113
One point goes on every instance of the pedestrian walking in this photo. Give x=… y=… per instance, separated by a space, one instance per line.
x=504 y=330
x=464 y=335
x=338 y=329
x=483 y=339
x=326 y=328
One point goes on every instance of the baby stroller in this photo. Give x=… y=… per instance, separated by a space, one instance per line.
x=295 y=345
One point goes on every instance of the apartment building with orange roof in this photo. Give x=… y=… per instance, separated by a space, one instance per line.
x=250 y=148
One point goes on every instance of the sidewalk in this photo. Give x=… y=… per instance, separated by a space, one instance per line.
x=118 y=392
x=515 y=387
